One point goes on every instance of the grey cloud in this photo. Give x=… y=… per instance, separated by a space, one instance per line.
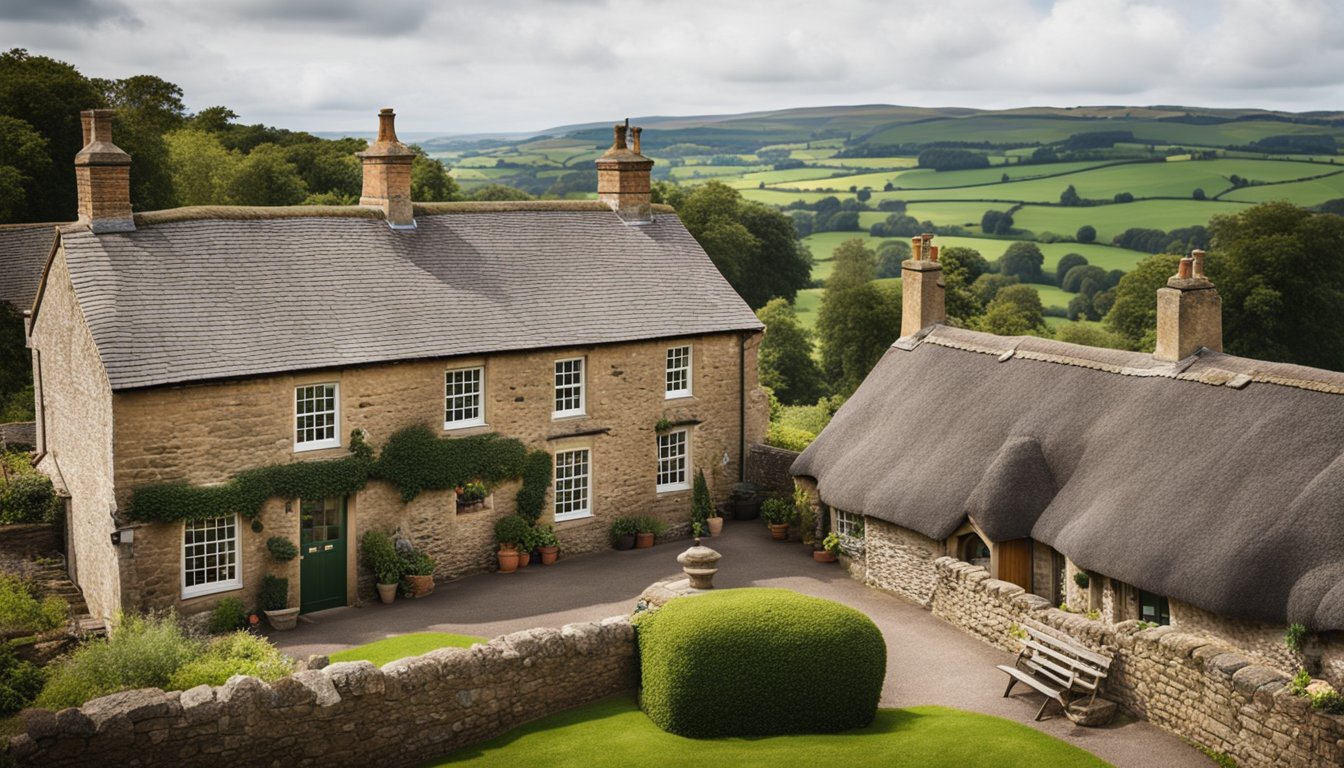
x=383 y=18
x=67 y=11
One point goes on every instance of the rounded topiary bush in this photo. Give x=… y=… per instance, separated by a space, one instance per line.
x=759 y=662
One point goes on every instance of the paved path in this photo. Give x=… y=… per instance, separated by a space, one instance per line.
x=928 y=660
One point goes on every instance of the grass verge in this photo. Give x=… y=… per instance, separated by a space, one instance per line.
x=388 y=649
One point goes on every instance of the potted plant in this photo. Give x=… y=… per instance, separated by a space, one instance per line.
x=510 y=531
x=830 y=547
x=418 y=572
x=471 y=494
x=274 y=600
x=547 y=545
x=702 y=506
x=777 y=513
x=623 y=531
x=646 y=528
x=380 y=554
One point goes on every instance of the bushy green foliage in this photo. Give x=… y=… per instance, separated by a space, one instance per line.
x=649 y=525
x=282 y=548
x=511 y=529
x=744 y=662
x=623 y=526
x=417 y=563
x=20 y=682
x=702 y=506
x=415 y=460
x=531 y=496
x=787 y=437
x=237 y=653
x=22 y=613
x=858 y=320
x=785 y=361
x=26 y=496
x=777 y=511
x=1294 y=636
x=228 y=615
x=380 y=554
x=274 y=594
x=139 y=653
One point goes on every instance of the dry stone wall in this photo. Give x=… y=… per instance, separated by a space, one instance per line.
x=768 y=467
x=348 y=714
x=900 y=560
x=1194 y=686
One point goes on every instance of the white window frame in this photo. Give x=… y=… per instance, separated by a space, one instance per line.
x=448 y=396
x=572 y=512
x=224 y=585
x=846 y=523
x=685 y=369
x=582 y=387
x=331 y=442
x=669 y=439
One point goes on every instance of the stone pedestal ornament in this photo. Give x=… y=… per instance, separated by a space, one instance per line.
x=700 y=563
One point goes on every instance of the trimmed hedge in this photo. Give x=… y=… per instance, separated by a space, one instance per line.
x=759 y=662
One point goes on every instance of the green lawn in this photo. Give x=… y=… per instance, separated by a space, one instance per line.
x=381 y=652
x=1052 y=296
x=614 y=732
x=805 y=306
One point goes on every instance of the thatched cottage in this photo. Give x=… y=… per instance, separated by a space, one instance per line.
x=1186 y=487
x=180 y=350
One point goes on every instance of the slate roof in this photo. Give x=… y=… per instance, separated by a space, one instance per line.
x=1217 y=480
x=224 y=293
x=24 y=249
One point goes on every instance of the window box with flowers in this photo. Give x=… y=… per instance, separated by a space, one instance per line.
x=472 y=497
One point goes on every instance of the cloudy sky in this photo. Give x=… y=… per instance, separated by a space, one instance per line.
x=463 y=66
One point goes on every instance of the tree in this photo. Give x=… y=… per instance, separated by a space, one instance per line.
x=988 y=285
x=16 y=373
x=1086 y=234
x=961 y=268
x=1077 y=333
x=785 y=361
x=1023 y=259
x=1278 y=270
x=755 y=247
x=996 y=223
x=1066 y=262
x=1070 y=197
x=864 y=195
x=857 y=320
x=1015 y=311
x=265 y=177
x=493 y=192
x=202 y=170
x=23 y=161
x=1133 y=316
x=1076 y=276
x=890 y=254
x=430 y=181
x=1198 y=194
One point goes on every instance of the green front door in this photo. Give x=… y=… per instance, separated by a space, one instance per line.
x=322 y=548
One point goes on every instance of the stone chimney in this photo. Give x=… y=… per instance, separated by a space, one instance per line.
x=103 y=176
x=922 y=301
x=623 y=178
x=387 y=174
x=1189 y=312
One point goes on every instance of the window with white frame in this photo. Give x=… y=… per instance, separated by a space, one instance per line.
x=677 y=381
x=316 y=421
x=848 y=524
x=210 y=556
x=673 y=456
x=462 y=398
x=573 y=484
x=568 y=387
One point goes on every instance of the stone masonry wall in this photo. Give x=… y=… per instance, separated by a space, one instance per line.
x=207 y=433
x=1197 y=687
x=348 y=714
x=75 y=431
x=900 y=560
x=768 y=467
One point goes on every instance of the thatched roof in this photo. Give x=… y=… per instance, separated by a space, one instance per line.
x=1216 y=480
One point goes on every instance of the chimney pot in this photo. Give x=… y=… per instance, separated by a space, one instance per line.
x=103 y=176
x=1184 y=270
x=1189 y=312
x=1198 y=257
x=387 y=174
x=623 y=177
x=923 y=300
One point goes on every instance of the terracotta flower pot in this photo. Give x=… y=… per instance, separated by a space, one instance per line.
x=420 y=585
x=643 y=540
x=779 y=531
x=387 y=592
x=715 y=525
x=549 y=555
x=524 y=557
x=823 y=556
x=508 y=560
x=625 y=542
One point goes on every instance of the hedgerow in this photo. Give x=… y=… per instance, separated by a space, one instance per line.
x=759 y=662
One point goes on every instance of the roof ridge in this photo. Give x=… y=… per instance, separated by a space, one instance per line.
x=258 y=212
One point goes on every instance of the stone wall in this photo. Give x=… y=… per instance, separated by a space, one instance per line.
x=19 y=435
x=900 y=560
x=206 y=433
x=349 y=714
x=768 y=467
x=1195 y=686
x=74 y=401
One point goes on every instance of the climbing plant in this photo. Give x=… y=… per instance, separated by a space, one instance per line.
x=413 y=460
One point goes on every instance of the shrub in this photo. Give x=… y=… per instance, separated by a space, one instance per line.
x=22 y=613
x=274 y=594
x=237 y=653
x=139 y=653
x=1082 y=579
x=28 y=497
x=282 y=549
x=1294 y=636
x=228 y=616
x=623 y=526
x=380 y=554
x=788 y=438
x=743 y=662
x=702 y=506
x=417 y=563
x=511 y=530
x=649 y=525
x=777 y=511
x=20 y=682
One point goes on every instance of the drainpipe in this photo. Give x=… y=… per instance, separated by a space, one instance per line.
x=741 y=407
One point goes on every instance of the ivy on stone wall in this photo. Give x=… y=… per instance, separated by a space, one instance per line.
x=413 y=460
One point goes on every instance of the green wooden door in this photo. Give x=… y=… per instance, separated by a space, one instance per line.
x=322 y=537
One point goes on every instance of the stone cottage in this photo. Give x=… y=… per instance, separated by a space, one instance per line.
x=178 y=349
x=1187 y=487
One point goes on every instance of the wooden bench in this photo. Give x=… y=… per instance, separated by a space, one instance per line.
x=1059 y=668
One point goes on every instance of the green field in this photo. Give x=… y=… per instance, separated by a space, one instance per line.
x=614 y=732
x=1052 y=296
x=1312 y=192
x=1111 y=220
